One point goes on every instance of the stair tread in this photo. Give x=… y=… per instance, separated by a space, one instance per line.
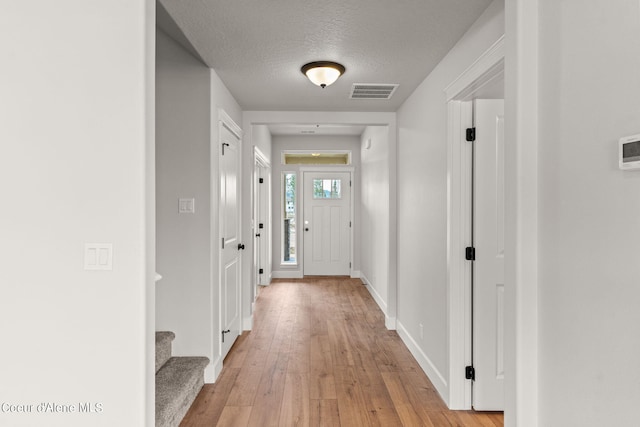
x=175 y=387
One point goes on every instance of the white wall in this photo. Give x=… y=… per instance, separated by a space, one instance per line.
x=422 y=201
x=282 y=143
x=77 y=157
x=182 y=171
x=589 y=214
x=189 y=95
x=261 y=138
x=375 y=213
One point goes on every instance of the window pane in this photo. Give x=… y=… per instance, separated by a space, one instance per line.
x=323 y=158
x=289 y=216
x=327 y=188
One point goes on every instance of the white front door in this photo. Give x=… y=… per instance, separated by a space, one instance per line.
x=231 y=245
x=327 y=223
x=488 y=267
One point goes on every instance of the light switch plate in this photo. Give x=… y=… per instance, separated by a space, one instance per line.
x=187 y=205
x=98 y=256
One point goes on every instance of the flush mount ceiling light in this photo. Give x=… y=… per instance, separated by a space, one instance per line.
x=323 y=73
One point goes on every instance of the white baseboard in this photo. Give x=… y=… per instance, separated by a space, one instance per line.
x=287 y=274
x=389 y=322
x=439 y=382
x=247 y=323
x=212 y=371
x=356 y=274
x=376 y=296
x=266 y=280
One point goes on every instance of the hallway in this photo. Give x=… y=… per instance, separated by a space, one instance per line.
x=319 y=355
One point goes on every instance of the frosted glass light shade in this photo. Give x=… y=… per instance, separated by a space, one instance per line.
x=323 y=73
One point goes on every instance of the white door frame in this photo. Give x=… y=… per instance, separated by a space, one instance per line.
x=486 y=69
x=329 y=169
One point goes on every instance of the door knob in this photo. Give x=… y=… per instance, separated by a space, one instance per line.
x=240 y=246
x=306 y=229
x=257 y=234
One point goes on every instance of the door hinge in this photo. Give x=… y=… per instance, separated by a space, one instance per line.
x=470 y=373
x=349 y=265
x=261 y=271
x=261 y=180
x=224 y=144
x=349 y=224
x=349 y=183
x=471 y=134
x=470 y=253
x=223 y=243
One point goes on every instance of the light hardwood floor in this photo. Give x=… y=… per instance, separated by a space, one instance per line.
x=320 y=355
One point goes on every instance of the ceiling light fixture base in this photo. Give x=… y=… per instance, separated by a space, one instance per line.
x=323 y=73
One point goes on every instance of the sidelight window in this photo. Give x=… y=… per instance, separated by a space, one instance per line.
x=289 y=240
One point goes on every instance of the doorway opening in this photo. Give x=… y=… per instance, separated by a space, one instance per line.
x=484 y=79
x=333 y=131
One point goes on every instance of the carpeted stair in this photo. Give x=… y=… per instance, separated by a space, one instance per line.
x=178 y=381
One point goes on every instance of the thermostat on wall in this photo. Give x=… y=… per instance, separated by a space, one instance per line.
x=629 y=152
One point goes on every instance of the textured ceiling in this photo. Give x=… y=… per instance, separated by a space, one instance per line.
x=258 y=46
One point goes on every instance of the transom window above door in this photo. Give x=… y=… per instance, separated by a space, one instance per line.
x=320 y=157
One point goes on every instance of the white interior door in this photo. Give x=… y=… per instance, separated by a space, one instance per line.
x=265 y=231
x=257 y=232
x=326 y=224
x=230 y=255
x=262 y=224
x=488 y=267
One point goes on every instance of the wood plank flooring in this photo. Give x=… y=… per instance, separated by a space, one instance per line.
x=320 y=355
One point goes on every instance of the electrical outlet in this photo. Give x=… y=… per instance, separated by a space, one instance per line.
x=421 y=331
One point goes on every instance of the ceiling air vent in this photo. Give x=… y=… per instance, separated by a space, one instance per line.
x=372 y=91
